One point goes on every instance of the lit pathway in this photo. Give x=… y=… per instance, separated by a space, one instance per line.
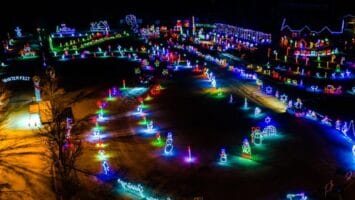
x=24 y=170
x=252 y=93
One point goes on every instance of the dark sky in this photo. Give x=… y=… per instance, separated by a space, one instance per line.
x=264 y=15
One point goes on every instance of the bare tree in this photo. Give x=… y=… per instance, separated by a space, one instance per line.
x=4 y=100
x=64 y=146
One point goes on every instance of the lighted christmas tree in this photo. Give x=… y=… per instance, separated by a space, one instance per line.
x=246 y=149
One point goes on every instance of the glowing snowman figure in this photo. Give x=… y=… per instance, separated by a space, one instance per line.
x=223 y=156
x=213 y=83
x=353 y=150
x=18 y=32
x=114 y=91
x=168 y=149
x=150 y=127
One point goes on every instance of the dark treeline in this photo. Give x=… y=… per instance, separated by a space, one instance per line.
x=255 y=14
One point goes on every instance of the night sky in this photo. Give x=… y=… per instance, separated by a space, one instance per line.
x=262 y=15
